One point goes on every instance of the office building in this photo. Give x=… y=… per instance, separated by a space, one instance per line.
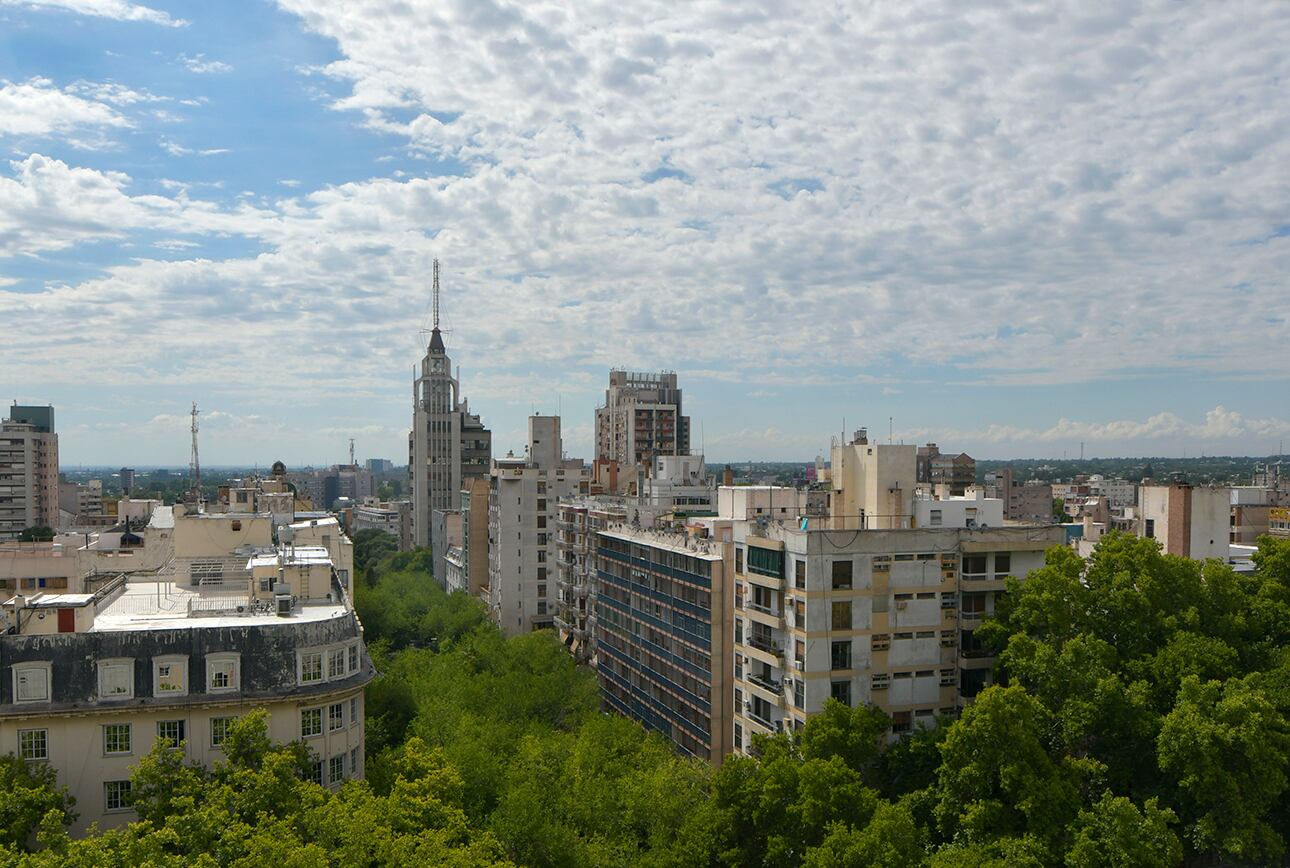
x=28 y=470
x=663 y=634
x=641 y=419
x=523 y=503
x=448 y=444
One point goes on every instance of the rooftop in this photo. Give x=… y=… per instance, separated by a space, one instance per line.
x=158 y=605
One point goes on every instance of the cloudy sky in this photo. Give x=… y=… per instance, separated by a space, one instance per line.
x=1008 y=227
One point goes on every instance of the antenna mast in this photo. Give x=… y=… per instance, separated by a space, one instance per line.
x=436 y=293
x=195 y=466
x=351 y=452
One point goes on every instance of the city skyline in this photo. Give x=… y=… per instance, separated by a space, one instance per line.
x=997 y=251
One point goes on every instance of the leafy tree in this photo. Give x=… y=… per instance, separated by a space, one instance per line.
x=1114 y=833
x=36 y=533
x=853 y=735
x=28 y=793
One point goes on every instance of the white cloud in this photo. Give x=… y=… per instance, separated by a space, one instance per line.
x=178 y=150
x=38 y=108
x=116 y=9
x=199 y=64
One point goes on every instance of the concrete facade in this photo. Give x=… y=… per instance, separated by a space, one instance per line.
x=1190 y=521
x=642 y=419
x=28 y=470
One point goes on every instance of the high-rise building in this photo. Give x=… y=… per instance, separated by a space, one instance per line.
x=28 y=470
x=1028 y=501
x=523 y=499
x=127 y=480
x=664 y=644
x=948 y=475
x=641 y=420
x=449 y=444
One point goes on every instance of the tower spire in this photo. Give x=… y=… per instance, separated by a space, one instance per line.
x=194 y=466
x=436 y=294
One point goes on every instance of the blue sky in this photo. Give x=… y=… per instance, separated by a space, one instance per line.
x=1010 y=229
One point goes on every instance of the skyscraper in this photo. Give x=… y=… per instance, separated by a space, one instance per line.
x=449 y=443
x=28 y=470
x=641 y=419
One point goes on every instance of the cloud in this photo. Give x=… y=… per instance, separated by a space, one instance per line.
x=115 y=9
x=199 y=64
x=1219 y=424
x=177 y=150
x=37 y=107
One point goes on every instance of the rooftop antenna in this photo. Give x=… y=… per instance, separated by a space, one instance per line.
x=891 y=436
x=436 y=292
x=194 y=466
x=351 y=452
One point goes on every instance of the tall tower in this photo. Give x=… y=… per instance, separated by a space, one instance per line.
x=449 y=444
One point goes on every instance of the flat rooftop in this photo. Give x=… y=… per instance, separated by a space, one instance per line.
x=159 y=605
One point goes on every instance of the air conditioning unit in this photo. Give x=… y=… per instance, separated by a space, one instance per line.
x=902 y=605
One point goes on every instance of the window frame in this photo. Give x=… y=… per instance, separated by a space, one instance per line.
x=335 y=664
x=44 y=744
x=226 y=722
x=332 y=763
x=45 y=669
x=106 y=731
x=182 y=727
x=117 y=666
x=315 y=711
x=121 y=791
x=218 y=659
x=335 y=717
x=305 y=660
x=171 y=660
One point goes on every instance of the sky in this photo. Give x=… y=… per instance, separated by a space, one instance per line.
x=1010 y=228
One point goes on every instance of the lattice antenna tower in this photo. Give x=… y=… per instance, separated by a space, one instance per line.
x=351 y=452
x=436 y=293
x=194 y=465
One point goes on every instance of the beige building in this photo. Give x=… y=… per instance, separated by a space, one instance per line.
x=1022 y=501
x=1191 y=521
x=522 y=507
x=873 y=485
x=90 y=681
x=448 y=444
x=28 y=470
x=81 y=499
x=641 y=419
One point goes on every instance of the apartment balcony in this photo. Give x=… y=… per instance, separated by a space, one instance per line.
x=771 y=725
x=760 y=614
x=971 y=620
x=770 y=685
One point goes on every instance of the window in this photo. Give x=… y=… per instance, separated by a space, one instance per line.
x=799 y=575
x=973 y=603
x=799 y=693
x=1151 y=528
x=219 y=730
x=353 y=658
x=541 y=590
x=33 y=744
x=169 y=676
x=336 y=663
x=336 y=769
x=237 y=524
x=739 y=737
x=541 y=607
x=841 y=691
x=116 y=679
x=116 y=738
x=799 y=653
x=311 y=667
x=354 y=763
x=31 y=683
x=974 y=564
x=841 y=655
x=935 y=518
x=310 y=722
x=541 y=522
x=336 y=716
x=116 y=795
x=316 y=772
x=221 y=673
x=841 y=575
x=842 y=615
x=171 y=730
x=739 y=559
x=1002 y=562
x=353 y=711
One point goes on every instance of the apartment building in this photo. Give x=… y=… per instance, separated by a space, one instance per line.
x=448 y=444
x=578 y=521
x=663 y=634
x=392 y=517
x=1030 y=501
x=523 y=503
x=1251 y=513
x=642 y=419
x=28 y=470
x=1279 y=522
x=883 y=617
x=1120 y=494
x=1191 y=521
x=472 y=560
x=79 y=499
x=93 y=677
x=947 y=475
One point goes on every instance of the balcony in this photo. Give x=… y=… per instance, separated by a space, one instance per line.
x=772 y=725
x=775 y=687
x=764 y=643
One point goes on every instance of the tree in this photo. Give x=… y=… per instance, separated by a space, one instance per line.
x=28 y=793
x=36 y=533
x=1059 y=510
x=1114 y=833
x=853 y=735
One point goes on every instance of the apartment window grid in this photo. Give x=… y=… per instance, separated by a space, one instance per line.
x=116 y=739
x=219 y=730
x=335 y=717
x=116 y=796
x=221 y=674
x=355 y=761
x=316 y=772
x=353 y=711
x=353 y=658
x=336 y=769
x=310 y=722
x=31 y=683
x=172 y=731
x=311 y=667
x=336 y=664
x=33 y=744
